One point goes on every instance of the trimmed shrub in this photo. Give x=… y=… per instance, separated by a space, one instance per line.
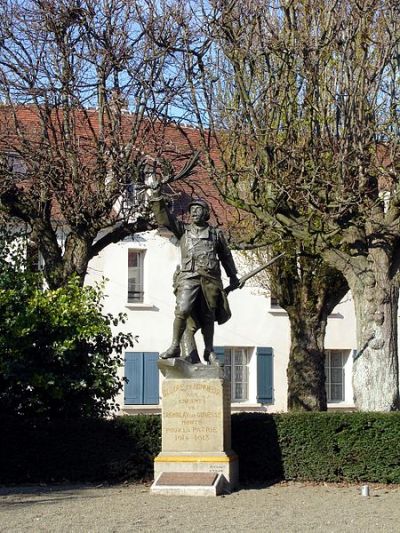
x=350 y=447
x=318 y=446
x=92 y=450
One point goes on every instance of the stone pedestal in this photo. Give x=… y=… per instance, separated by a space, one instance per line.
x=196 y=431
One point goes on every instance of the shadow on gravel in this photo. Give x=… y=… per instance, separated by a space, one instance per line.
x=44 y=489
x=43 y=495
x=20 y=504
x=258 y=486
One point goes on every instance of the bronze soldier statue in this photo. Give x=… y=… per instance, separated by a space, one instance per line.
x=200 y=298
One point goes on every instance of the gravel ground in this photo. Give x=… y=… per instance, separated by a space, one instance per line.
x=285 y=507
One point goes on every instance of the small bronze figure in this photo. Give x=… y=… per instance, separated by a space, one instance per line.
x=200 y=297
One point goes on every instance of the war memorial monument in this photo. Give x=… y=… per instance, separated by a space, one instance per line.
x=196 y=456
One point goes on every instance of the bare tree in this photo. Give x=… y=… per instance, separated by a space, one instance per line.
x=301 y=99
x=86 y=105
x=308 y=289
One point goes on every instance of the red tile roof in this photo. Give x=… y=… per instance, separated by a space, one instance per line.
x=170 y=141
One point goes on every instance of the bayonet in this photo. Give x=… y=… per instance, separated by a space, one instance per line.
x=252 y=273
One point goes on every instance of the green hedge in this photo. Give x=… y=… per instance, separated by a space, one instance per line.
x=318 y=446
x=89 y=450
x=307 y=446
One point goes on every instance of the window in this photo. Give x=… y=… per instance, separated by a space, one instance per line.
x=135 y=276
x=335 y=361
x=136 y=191
x=274 y=301
x=236 y=362
x=131 y=197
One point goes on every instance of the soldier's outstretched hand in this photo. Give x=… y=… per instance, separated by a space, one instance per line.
x=234 y=283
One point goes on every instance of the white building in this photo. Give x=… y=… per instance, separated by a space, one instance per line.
x=255 y=341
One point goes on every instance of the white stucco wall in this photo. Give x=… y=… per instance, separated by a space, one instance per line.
x=253 y=322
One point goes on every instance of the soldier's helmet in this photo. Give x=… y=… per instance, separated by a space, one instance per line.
x=203 y=204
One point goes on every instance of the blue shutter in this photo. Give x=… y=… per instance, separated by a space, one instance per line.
x=133 y=390
x=220 y=353
x=264 y=375
x=151 y=393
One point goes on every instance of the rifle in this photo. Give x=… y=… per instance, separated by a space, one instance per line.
x=249 y=275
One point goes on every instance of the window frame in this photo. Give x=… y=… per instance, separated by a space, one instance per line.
x=274 y=301
x=140 y=266
x=328 y=368
x=229 y=352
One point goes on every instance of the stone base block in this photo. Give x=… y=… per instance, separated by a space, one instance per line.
x=189 y=484
x=225 y=464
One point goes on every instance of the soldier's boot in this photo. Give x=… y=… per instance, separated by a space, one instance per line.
x=188 y=344
x=174 y=350
x=208 y=336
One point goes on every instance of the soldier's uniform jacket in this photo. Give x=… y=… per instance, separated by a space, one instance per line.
x=202 y=250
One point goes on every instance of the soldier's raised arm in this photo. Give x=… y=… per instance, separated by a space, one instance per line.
x=163 y=215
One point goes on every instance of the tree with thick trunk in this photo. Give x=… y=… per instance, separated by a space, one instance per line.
x=375 y=294
x=308 y=290
x=302 y=133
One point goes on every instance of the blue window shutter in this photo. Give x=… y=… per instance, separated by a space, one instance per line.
x=220 y=353
x=133 y=390
x=264 y=375
x=151 y=393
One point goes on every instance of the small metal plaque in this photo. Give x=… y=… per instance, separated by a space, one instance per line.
x=188 y=479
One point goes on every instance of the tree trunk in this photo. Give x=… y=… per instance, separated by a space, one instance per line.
x=77 y=256
x=306 y=373
x=308 y=290
x=375 y=366
x=58 y=268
